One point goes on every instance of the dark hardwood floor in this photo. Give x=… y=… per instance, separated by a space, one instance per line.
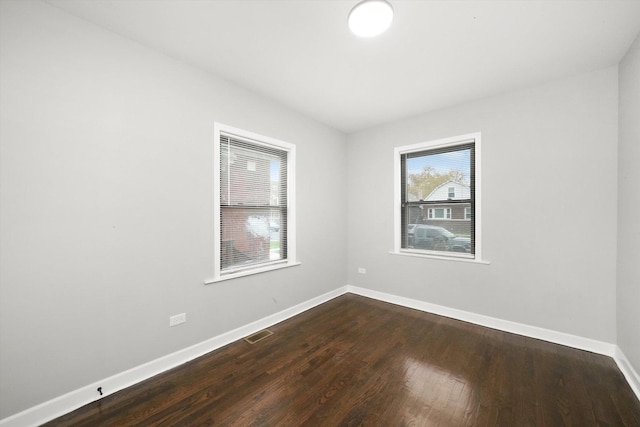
x=355 y=361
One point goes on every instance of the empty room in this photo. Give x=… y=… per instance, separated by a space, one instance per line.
x=319 y=212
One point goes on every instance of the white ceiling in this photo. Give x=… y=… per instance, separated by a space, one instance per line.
x=436 y=53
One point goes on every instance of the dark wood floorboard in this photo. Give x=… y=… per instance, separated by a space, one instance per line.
x=354 y=361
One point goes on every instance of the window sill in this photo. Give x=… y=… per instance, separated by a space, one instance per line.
x=440 y=257
x=250 y=272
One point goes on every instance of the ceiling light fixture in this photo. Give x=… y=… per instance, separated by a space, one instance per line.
x=370 y=18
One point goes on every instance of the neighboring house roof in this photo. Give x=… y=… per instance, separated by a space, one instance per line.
x=441 y=192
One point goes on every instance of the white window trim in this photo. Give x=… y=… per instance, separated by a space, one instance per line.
x=258 y=139
x=426 y=254
x=430 y=145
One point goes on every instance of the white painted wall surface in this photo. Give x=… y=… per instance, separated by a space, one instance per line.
x=106 y=191
x=549 y=172
x=628 y=206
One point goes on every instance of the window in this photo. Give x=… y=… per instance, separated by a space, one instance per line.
x=254 y=206
x=437 y=197
x=439 y=213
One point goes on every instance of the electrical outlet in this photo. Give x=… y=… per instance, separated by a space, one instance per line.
x=177 y=319
x=362 y=270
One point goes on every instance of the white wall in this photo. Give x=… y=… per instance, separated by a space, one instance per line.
x=549 y=208
x=628 y=207
x=106 y=192
x=106 y=219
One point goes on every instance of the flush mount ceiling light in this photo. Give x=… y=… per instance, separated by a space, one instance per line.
x=370 y=18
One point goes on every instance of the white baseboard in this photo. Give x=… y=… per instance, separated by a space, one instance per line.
x=627 y=370
x=61 y=405
x=556 y=337
x=492 y=322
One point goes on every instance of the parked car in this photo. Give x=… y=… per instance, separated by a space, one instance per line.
x=431 y=237
x=461 y=244
x=438 y=239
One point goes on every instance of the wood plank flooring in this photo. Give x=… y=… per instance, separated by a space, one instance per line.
x=354 y=361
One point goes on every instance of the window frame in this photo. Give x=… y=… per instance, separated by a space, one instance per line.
x=259 y=140
x=446 y=212
x=444 y=143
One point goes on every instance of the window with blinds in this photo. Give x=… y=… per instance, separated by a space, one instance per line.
x=437 y=198
x=253 y=218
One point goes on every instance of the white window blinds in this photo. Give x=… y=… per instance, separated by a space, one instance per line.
x=253 y=203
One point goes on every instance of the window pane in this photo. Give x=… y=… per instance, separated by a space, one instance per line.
x=440 y=176
x=438 y=198
x=251 y=174
x=447 y=238
x=250 y=236
x=253 y=203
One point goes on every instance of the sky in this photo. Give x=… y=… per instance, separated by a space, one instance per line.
x=442 y=163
